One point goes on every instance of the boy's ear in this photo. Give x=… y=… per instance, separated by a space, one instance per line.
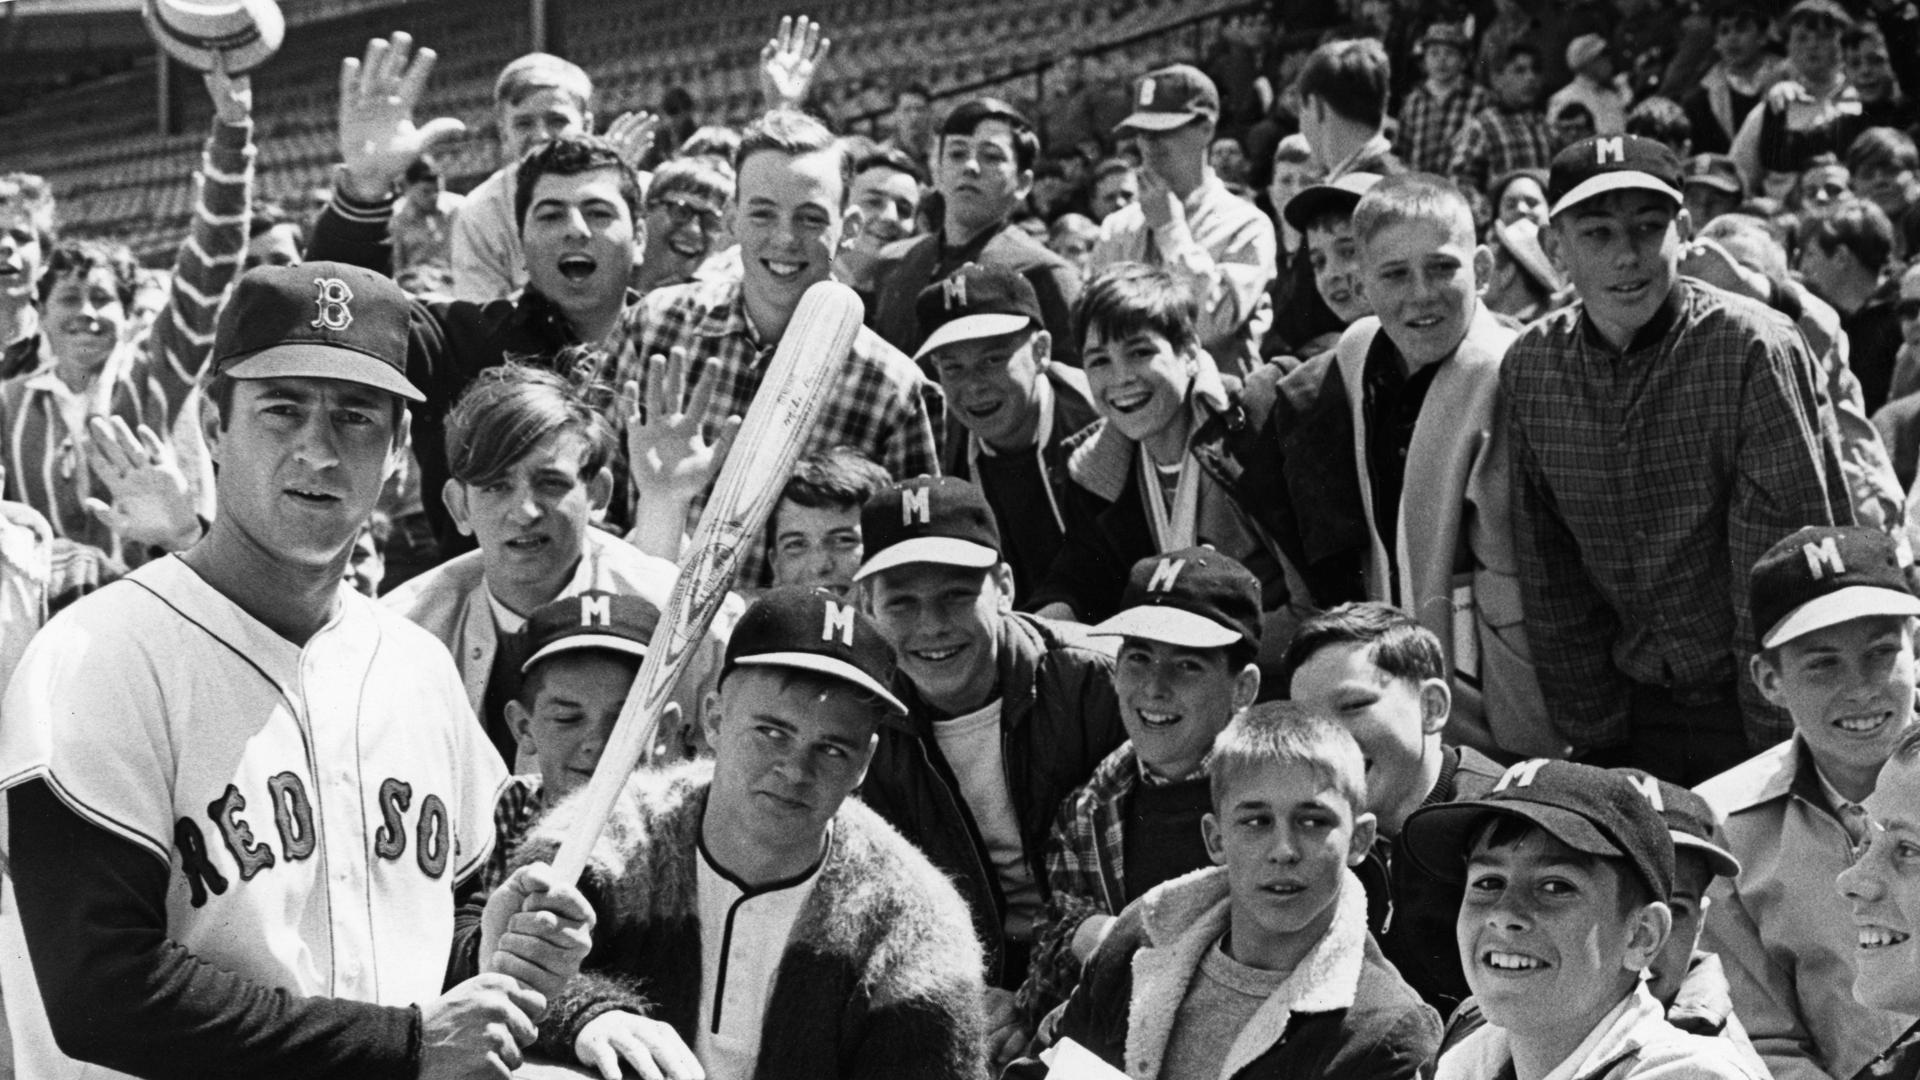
x=710 y=716
x=1361 y=842
x=600 y=488
x=520 y=722
x=1210 y=835
x=1246 y=687
x=1683 y=224
x=1003 y=577
x=1436 y=705
x=454 y=494
x=1550 y=243
x=1647 y=936
x=1042 y=348
x=852 y=223
x=1766 y=678
x=1482 y=269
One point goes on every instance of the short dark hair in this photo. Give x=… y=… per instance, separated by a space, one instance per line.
x=839 y=479
x=508 y=410
x=1519 y=49
x=422 y=170
x=889 y=157
x=83 y=257
x=1396 y=644
x=1857 y=225
x=967 y=117
x=1662 y=120
x=1351 y=77
x=1112 y=167
x=571 y=156
x=1127 y=298
x=793 y=133
x=1882 y=146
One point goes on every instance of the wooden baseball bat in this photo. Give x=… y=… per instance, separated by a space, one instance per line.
x=777 y=426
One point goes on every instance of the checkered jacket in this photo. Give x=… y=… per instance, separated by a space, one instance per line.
x=884 y=409
x=1497 y=141
x=1086 y=875
x=1428 y=124
x=520 y=802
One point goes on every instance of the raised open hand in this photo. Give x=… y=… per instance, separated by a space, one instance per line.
x=791 y=61
x=632 y=135
x=152 y=502
x=378 y=138
x=668 y=450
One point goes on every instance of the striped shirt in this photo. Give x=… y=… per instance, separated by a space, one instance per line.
x=880 y=410
x=1646 y=484
x=46 y=465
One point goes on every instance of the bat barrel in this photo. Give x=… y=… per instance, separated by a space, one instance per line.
x=778 y=425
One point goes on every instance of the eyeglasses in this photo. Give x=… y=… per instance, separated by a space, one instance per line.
x=1908 y=310
x=682 y=212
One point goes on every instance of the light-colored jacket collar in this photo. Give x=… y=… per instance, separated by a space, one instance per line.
x=1103 y=463
x=1183 y=919
x=1635 y=1023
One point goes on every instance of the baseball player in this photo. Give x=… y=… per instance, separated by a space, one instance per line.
x=240 y=795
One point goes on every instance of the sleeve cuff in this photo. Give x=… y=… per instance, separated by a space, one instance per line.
x=364 y=210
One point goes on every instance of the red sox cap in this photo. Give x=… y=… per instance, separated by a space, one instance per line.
x=1593 y=167
x=1606 y=812
x=1823 y=576
x=974 y=302
x=610 y=622
x=1196 y=598
x=320 y=320
x=929 y=519
x=810 y=629
x=1172 y=97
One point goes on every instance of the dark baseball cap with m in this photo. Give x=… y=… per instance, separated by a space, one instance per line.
x=317 y=320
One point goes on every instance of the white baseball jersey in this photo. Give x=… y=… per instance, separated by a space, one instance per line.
x=316 y=804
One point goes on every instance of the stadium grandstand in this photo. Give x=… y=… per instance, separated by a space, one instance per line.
x=90 y=104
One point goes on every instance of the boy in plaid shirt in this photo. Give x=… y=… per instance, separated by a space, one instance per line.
x=1189 y=626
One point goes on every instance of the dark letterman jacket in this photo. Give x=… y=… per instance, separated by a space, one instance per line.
x=1058 y=719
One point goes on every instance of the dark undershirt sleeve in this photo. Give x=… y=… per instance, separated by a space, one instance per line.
x=119 y=993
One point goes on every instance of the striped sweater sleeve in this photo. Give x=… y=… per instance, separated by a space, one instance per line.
x=207 y=263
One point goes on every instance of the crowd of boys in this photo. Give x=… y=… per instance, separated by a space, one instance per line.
x=1315 y=565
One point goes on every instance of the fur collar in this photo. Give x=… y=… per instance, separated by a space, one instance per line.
x=1183 y=918
x=1102 y=459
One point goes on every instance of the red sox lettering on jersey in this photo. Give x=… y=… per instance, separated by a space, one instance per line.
x=317 y=802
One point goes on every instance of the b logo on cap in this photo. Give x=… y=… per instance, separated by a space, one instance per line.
x=332 y=302
x=916 y=503
x=1146 y=92
x=839 y=621
x=596 y=611
x=954 y=289
x=1165 y=574
x=1611 y=149
x=1823 y=558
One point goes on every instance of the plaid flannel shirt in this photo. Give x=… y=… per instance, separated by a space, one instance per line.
x=520 y=802
x=1086 y=875
x=1645 y=486
x=1495 y=141
x=883 y=408
x=1428 y=124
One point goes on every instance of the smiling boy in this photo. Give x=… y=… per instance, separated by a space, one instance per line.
x=1663 y=435
x=1011 y=410
x=1169 y=465
x=1189 y=629
x=1422 y=380
x=1259 y=967
x=1568 y=870
x=1006 y=714
x=1883 y=885
x=1835 y=616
